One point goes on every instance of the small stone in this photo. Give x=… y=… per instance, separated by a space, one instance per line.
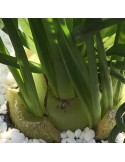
x=92 y=141
x=120 y=138
x=82 y=136
x=26 y=140
x=71 y=140
x=89 y=134
x=2 y=117
x=10 y=79
x=63 y=134
x=36 y=141
x=4 y=135
x=2 y=99
x=30 y=141
x=1 y=120
x=18 y=138
x=15 y=136
x=78 y=133
x=78 y=140
x=70 y=134
x=84 y=141
x=64 y=140
x=3 y=90
x=3 y=108
x=3 y=127
x=2 y=140
x=13 y=131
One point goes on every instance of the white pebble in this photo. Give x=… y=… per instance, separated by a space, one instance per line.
x=17 y=138
x=3 y=108
x=71 y=140
x=3 y=90
x=70 y=134
x=2 y=99
x=78 y=140
x=26 y=140
x=36 y=141
x=3 y=127
x=13 y=131
x=89 y=134
x=92 y=141
x=4 y=135
x=2 y=117
x=4 y=86
x=2 y=79
x=78 y=133
x=82 y=136
x=10 y=79
x=1 y=120
x=63 y=134
x=64 y=140
x=30 y=141
x=2 y=140
x=120 y=138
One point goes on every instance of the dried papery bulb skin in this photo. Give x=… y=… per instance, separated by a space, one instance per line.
x=106 y=124
x=31 y=126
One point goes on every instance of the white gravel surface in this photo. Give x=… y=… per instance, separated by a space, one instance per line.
x=13 y=135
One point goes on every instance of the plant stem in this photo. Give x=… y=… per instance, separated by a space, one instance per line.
x=94 y=84
x=106 y=82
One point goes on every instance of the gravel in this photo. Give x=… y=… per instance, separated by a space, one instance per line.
x=13 y=135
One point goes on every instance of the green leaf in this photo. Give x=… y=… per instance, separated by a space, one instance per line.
x=24 y=25
x=112 y=136
x=118 y=65
x=25 y=69
x=108 y=32
x=120 y=118
x=106 y=82
x=16 y=73
x=1 y=24
x=120 y=33
x=94 y=83
x=13 y=62
x=27 y=41
x=76 y=73
x=91 y=26
x=77 y=21
x=116 y=50
x=69 y=23
x=63 y=84
x=43 y=50
x=25 y=34
x=117 y=75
